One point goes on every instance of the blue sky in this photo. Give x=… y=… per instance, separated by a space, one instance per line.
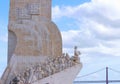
x=92 y=25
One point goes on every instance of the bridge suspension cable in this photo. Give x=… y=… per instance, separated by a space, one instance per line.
x=107 y=81
x=91 y=73
x=114 y=70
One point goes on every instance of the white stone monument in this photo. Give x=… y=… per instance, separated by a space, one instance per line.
x=35 y=47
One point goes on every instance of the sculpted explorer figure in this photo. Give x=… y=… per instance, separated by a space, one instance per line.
x=76 y=58
x=76 y=52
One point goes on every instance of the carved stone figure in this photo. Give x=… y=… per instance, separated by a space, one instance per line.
x=63 y=54
x=56 y=65
x=76 y=52
x=51 y=64
x=68 y=61
x=31 y=74
x=34 y=77
x=60 y=63
x=44 y=71
x=63 y=62
x=76 y=58
x=27 y=75
x=39 y=73
x=21 y=79
x=14 y=81
x=48 y=69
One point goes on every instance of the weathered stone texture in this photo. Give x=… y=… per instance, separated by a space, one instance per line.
x=32 y=39
x=37 y=35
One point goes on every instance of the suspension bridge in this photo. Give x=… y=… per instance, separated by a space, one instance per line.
x=106 y=81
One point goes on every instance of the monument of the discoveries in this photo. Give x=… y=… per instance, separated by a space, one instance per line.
x=35 y=47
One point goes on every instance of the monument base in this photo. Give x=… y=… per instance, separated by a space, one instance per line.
x=64 y=77
x=18 y=64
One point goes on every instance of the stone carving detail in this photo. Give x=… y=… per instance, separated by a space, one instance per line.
x=35 y=37
x=14 y=81
x=19 y=1
x=34 y=8
x=76 y=58
x=42 y=70
x=27 y=11
x=22 y=13
x=76 y=52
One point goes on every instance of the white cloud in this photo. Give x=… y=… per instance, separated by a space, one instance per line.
x=109 y=8
x=4 y=38
x=99 y=27
x=3 y=30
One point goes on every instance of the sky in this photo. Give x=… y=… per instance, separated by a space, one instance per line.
x=92 y=25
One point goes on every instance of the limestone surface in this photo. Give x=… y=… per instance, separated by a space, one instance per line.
x=31 y=31
x=66 y=76
x=35 y=47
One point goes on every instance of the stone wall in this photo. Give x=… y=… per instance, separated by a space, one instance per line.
x=33 y=32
